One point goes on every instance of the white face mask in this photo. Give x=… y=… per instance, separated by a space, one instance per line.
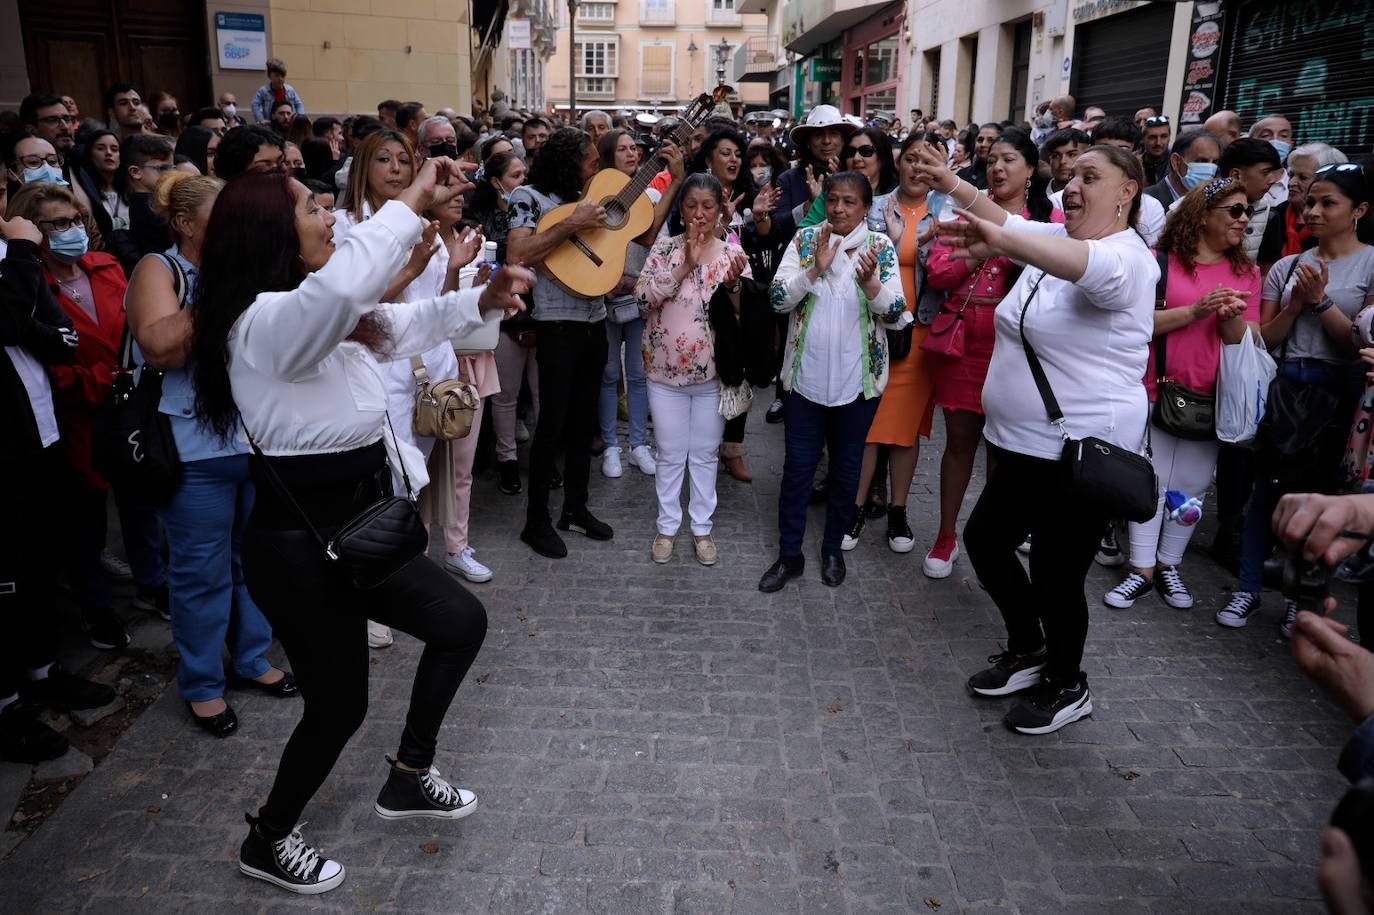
x=761 y=174
x=230 y=110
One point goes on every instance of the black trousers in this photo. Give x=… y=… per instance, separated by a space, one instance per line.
x=571 y=357
x=1047 y=609
x=29 y=547
x=321 y=620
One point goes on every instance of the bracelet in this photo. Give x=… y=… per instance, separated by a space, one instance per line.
x=733 y=289
x=970 y=187
x=1323 y=305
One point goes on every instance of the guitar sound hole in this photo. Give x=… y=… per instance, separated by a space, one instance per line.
x=615 y=213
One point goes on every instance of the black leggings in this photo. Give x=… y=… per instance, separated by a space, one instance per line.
x=321 y=620
x=1026 y=495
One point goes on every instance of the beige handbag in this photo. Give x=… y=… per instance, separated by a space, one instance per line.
x=444 y=410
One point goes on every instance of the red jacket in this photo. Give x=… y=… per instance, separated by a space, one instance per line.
x=80 y=389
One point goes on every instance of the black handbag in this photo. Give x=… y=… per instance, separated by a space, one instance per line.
x=132 y=445
x=1178 y=409
x=899 y=342
x=1116 y=480
x=374 y=544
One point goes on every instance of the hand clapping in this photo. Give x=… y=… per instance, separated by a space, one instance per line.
x=502 y=293
x=1309 y=287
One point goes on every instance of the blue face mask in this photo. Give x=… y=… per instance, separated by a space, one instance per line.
x=1283 y=147
x=1199 y=173
x=46 y=173
x=69 y=244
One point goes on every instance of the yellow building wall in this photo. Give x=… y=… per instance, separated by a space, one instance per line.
x=379 y=49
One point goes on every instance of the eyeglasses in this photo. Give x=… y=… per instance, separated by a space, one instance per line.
x=60 y=225
x=52 y=120
x=867 y=151
x=37 y=161
x=1340 y=167
x=1236 y=210
x=1156 y=120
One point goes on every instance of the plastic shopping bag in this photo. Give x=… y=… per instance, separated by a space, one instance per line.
x=1242 y=388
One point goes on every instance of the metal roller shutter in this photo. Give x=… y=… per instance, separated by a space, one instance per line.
x=1306 y=61
x=1120 y=62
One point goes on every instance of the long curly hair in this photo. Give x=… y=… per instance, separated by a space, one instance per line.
x=1183 y=228
x=557 y=170
x=887 y=162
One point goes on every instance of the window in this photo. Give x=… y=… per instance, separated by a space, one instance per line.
x=656 y=70
x=723 y=6
x=598 y=58
x=656 y=12
x=722 y=11
x=1020 y=70
x=881 y=60
x=595 y=87
x=596 y=12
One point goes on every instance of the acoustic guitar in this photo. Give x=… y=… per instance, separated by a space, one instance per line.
x=591 y=262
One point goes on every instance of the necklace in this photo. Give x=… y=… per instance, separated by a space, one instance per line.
x=70 y=289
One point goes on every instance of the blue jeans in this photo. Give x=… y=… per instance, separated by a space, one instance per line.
x=631 y=334
x=210 y=603
x=1345 y=382
x=810 y=428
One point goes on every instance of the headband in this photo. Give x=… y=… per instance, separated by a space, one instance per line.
x=1216 y=187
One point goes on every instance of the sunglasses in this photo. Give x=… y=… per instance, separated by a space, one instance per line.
x=1156 y=120
x=1340 y=167
x=1236 y=210
x=867 y=151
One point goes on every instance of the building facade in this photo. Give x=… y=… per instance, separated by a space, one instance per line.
x=653 y=55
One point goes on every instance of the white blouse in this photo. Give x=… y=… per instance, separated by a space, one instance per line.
x=1092 y=337
x=300 y=386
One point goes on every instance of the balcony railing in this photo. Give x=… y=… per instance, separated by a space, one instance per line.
x=716 y=16
x=758 y=59
x=657 y=12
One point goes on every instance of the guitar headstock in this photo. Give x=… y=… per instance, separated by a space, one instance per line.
x=698 y=111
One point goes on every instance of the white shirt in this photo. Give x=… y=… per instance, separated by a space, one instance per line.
x=1150 y=223
x=36 y=384
x=300 y=386
x=1092 y=337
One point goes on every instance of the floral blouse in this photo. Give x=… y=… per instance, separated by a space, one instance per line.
x=679 y=348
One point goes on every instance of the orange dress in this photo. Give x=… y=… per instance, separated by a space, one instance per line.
x=908 y=402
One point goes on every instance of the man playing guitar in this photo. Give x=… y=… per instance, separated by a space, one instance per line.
x=570 y=339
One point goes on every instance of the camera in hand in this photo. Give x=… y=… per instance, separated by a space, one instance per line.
x=1306 y=582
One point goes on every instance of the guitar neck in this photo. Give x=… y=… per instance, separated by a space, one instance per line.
x=645 y=174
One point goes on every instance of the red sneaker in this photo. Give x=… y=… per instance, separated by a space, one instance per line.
x=940 y=560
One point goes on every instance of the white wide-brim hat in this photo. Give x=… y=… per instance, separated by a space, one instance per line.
x=822 y=117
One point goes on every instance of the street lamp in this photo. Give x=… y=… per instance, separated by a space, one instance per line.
x=572 y=62
x=722 y=54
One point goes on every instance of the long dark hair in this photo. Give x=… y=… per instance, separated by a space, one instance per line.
x=236 y=266
x=1037 y=201
x=605 y=147
x=557 y=170
x=193 y=143
x=90 y=141
x=484 y=199
x=701 y=162
x=887 y=163
x=1355 y=186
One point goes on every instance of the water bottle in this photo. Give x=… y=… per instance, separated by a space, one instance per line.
x=467 y=274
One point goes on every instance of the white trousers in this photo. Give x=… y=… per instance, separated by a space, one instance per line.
x=688 y=428
x=1183 y=465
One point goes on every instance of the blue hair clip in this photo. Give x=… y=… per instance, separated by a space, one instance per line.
x=1216 y=186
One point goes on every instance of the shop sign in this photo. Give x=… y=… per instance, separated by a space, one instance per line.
x=1200 y=78
x=825 y=70
x=241 y=40
x=518 y=34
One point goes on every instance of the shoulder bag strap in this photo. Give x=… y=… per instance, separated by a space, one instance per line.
x=417 y=368
x=1292 y=268
x=1161 y=290
x=1042 y=383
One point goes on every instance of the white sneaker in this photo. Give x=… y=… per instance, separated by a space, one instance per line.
x=114 y=567
x=465 y=564
x=610 y=463
x=522 y=433
x=643 y=458
x=378 y=636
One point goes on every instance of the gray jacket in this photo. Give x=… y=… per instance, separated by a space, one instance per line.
x=927 y=300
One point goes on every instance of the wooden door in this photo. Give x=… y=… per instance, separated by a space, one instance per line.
x=79 y=47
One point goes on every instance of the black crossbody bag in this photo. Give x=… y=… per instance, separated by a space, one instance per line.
x=1178 y=409
x=1117 y=480
x=374 y=544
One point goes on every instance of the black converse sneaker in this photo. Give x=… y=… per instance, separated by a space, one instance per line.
x=422 y=794
x=1172 y=588
x=1238 y=609
x=1009 y=673
x=1050 y=706
x=1108 y=550
x=1290 y=616
x=289 y=863
x=1132 y=588
x=856 y=529
x=899 y=536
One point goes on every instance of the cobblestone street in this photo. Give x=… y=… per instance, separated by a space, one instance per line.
x=665 y=739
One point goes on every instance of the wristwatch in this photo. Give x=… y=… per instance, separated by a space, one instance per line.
x=1323 y=305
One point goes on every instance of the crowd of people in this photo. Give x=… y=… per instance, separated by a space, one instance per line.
x=1040 y=284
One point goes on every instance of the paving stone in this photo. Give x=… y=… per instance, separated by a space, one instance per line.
x=69 y=764
x=670 y=741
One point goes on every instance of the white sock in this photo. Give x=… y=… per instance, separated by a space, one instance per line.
x=9 y=700
x=39 y=673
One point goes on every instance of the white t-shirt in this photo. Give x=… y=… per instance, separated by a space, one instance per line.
x=1150 y=223
x=36 y=385
x=1092 y=337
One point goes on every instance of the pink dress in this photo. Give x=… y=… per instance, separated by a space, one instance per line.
x=959 y=381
